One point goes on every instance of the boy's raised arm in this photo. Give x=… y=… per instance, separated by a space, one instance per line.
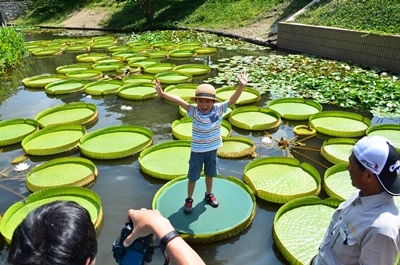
x=170 y=97
x=242 y=83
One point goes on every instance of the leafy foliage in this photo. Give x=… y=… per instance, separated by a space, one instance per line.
x=375 y=16
x=12 y=48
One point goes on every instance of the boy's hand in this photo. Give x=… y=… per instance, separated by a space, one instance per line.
x=243 y=78
x=158 y=87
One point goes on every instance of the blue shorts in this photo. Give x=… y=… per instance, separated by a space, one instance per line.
x=197 y=160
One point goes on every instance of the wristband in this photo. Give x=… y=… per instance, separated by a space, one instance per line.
x=168 y=237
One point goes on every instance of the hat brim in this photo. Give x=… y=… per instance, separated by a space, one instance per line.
x=391 y=185
x=193 y=99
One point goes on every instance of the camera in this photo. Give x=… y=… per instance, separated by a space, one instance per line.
x=140 y=252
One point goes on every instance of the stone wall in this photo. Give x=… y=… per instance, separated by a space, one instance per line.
x=10 y=10
x=382 y=51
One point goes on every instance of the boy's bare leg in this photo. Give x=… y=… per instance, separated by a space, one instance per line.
x=209 y=183
x=191 y=185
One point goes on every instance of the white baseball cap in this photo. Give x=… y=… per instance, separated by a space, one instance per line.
x=379 y=155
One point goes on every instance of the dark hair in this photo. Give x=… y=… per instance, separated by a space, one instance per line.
x=58 y=233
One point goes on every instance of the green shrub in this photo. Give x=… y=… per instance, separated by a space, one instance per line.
x=11 y=48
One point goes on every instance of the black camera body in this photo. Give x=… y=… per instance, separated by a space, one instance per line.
x=139 y=252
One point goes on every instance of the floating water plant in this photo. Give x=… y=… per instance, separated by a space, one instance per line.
x=295 y=108
x=103 y=87
x=236 y=147
x=248 y=96
x=137 y=91
x=337 y=150
x=67 y=86
x=192 y=69
x=254 y=118
x=15 y=130
x=41 y=81
x=389 y=131
x=173 y=78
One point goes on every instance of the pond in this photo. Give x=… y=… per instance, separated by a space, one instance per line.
x=122 y=185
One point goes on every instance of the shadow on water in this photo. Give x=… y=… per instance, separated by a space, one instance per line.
x=122 y=185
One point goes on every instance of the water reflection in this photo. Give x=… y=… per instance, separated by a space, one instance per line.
x=121 y=184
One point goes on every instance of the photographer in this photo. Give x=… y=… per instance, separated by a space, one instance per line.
x=147 y=221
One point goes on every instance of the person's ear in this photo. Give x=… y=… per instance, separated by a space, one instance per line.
x=90 y=263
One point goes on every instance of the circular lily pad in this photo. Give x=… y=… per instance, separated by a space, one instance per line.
x=78 y=47
x=295 y=108
x=53 y=140
x=41 y=81
x=107 y=66
x=67 y=86
x=178 y=54
x=159 y=68
x=15 y=130
x=72 y=113
x=205 y=51
x=68 y=171
x=137 y=79
x=144 y=63
x=205 y=224
x=85 y=74
x=248 y=96
x=185 y=91
x=137 y=91
x=255 y=118
x=182 y=129
x=340 y=123
x=173 y=78
x=304 y=130
x=90 y=57
x=167 y=160
x=337 y=150
x=18 y=211
x=293 y=223
x=193 y=69
x=157 y=54
x=72 y=67
x=236 y=147
x=103 y=87
x=389 y=131
x=45 y=52
x=337 y=182
x=119 y=48
x=281 y=179
x=116 y=142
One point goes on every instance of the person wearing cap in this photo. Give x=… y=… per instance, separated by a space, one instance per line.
x=365 y=228
x=206 y=134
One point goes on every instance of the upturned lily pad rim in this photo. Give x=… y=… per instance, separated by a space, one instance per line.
x=90 y=88
x=72 y=105
x=265 y=126
x=28 y=82
x=48 y=195
x=84 y=181
x=187 y=53
x=328 y=173
x=152 y=69
x=276 y=197
x=296 y=203
x=242 y=153
x=18 y=138
x=49 y=88
x=295 y=115
x=334 y=141
x=250 y=90
x=385 y=127
x=126 y=80
x=344 y=115
x=201 y=69
x=304 y=130
x=170 y=77
x=121 y=92
x=88 y=74
x=89 y=57
x=64 y=68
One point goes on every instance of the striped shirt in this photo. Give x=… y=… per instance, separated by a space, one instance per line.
x=206 y=128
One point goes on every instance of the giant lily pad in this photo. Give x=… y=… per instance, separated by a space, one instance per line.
x=293 y=223
x=103 y=87
x=337 y=150
x=107 y=66
x=72 y=67
x=185 y=91
x=205 y=51
x=53 y=140
x=116 y=142
x=15 y=130
x=340 y=123
x=68 y=171
x=41 y=81
x=85 y=74
x=157 y=54
x=389 y=131
x=139 y=91
x=144 y=63
x=236 y=147
x=254 y=118
x=179 y=54
x=46 y=52
x=119 y=48
x=137 y=79
x=167 y=160
x=281 y=179
x=337 y=182
x=72 y=113
x=65 y=87
x=173 y=78
x=90 y=57
x=205 y=224
x=248 y=96
x=18 y=211
x=121 y=55
x=192 y=69
x=182 y=129
x=295 y=108
x=159 y=68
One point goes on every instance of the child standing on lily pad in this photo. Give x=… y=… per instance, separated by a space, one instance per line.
x=206 y=134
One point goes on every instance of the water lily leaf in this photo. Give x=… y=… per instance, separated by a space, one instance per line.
x=167 y=160
x=15 y=130
x=389 y=131
x=123 y=55
x=296 y=219
x=281 y=179
x=340 y=123
x=72 y=67
x=72 y=113
x=182 y=129
x=254 y=118
x=65 y=86
x=143 y=63
x=90 y=57
x=107 y=66
x=85 y=74
x=337 y=182
x=304 y=130
x=53 y=140
x=337 y=150
x=18 y=211
x=205 y=51
x=135 y=79
x=45 y=51
x=41 y=81
x=137 y=91
x=115 y=142
x=157 y=54
x=295 y=108
x=173 y=78
x=181 y=54
x=159 y=68
x=236 y=147
x=103 y=87
x=192 y=69
x=69 y=171
x=248 y=96
x=119 y=48
x=185 y=91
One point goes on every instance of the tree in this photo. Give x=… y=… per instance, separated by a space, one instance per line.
x=148 y=8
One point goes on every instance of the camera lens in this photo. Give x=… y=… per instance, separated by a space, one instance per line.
x=138 y=245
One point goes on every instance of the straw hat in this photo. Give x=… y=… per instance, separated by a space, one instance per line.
x=205 y=91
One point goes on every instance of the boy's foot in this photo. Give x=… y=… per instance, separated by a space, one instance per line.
x=187 y=208
x=211 y=200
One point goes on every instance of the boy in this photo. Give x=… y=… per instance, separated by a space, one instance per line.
x=206 y=134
